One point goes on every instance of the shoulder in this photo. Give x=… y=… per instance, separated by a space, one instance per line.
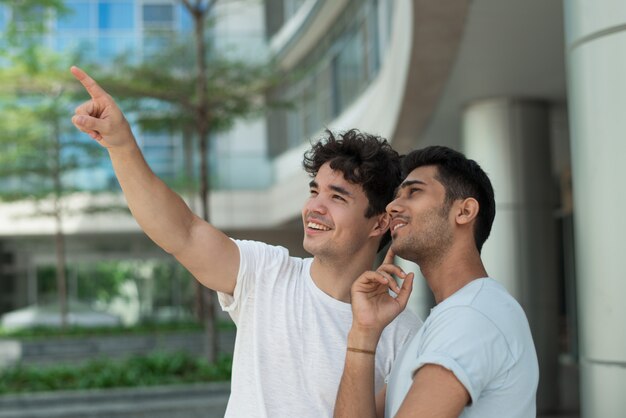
x=260 y=248
x=262 y=253
x=261 y=258
x=469 y=331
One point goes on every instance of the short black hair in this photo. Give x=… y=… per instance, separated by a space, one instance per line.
x=363 y=159
x=461 y=178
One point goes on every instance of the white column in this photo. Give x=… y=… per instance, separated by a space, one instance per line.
x=421 y=300
x=596 y=64
x=510 y=139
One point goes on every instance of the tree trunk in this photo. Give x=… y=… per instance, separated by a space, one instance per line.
x=59 y=239
x=199 y=13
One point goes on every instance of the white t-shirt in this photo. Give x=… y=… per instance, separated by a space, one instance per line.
x=481 y=334
x=291 y=338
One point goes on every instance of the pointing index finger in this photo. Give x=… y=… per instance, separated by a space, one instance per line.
x=94 y=90
x=389 y=257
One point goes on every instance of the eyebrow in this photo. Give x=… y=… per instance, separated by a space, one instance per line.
x=408 y=183
x=338 y=189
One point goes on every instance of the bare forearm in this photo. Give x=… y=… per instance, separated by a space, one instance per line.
x=356 y=397
x=204 y=250
x=160 y=212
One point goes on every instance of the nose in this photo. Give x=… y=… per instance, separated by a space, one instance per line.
x=394 y=206
x=316 y=204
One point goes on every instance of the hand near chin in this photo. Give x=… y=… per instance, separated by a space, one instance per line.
x=373 y=307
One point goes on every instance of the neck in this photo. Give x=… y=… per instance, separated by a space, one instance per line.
x=335 y=277
x=452 y=271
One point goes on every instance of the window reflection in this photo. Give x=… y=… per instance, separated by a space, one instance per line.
x=336 y=72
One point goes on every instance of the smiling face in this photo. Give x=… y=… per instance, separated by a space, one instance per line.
x=421 y=228
x=335 y=226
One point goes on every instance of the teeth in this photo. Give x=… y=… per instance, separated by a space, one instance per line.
x=398 y=226
x=314 y=225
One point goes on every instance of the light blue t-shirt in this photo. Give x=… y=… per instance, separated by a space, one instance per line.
x=480 y=334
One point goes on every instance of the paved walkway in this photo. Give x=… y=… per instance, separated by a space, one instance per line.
x=206 y=400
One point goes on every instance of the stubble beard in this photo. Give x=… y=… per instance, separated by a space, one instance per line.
x=428 y=246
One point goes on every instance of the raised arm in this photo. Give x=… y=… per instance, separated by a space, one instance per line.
x=373 y=308
x=204 y=250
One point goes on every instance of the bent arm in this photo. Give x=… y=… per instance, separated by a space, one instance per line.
x=204 y=250
x=373 y=308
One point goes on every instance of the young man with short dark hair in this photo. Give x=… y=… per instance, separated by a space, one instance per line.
x=474 y=355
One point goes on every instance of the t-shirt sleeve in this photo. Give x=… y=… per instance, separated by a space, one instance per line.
x=255 y=260
x=466 y=342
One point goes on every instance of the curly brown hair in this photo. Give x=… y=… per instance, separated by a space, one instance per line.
x=364 y=159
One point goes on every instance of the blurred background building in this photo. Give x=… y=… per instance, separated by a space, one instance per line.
x=532 y=90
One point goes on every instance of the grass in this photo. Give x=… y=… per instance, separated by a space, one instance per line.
x=146 y=370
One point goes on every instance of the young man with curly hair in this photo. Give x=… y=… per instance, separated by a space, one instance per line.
x=292 y=314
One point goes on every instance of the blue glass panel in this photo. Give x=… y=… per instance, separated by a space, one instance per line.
x=3 y=17
x=160 y=14
x=78 y=17
x=116 y=15
x=83 y=45
x=186 y=22
x=110 y=46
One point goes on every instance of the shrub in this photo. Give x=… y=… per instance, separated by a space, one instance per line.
x=146 y=370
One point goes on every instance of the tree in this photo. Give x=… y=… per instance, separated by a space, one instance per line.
x=208 y=98
x=40 y=150
x=35 y=99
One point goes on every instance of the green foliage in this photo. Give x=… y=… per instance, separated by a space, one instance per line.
x=149 y=370
x=40 y=147
x=26 y=28
x=99 y=281
x=234 y=88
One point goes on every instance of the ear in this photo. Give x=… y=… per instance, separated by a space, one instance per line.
x=466 y=211
x=381 y=226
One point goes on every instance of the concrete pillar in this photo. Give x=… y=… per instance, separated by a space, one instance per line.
x=510 y=139
x=596 y=64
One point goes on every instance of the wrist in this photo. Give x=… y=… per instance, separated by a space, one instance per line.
x=363 y=339
x=127 y=148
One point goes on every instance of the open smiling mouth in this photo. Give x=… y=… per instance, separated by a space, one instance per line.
x=317 y=227
x=395 y=225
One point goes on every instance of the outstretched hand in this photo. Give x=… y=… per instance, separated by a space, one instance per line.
x=373 y=307
x=100 y=117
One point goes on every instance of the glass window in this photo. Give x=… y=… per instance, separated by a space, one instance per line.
x=111 y=46
x=84 y=45
x=186 y=22
x=158 y=15
x=349 y=70
x=116 y=15
x=3 y=17
x=340 y=68
x=77 y=17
